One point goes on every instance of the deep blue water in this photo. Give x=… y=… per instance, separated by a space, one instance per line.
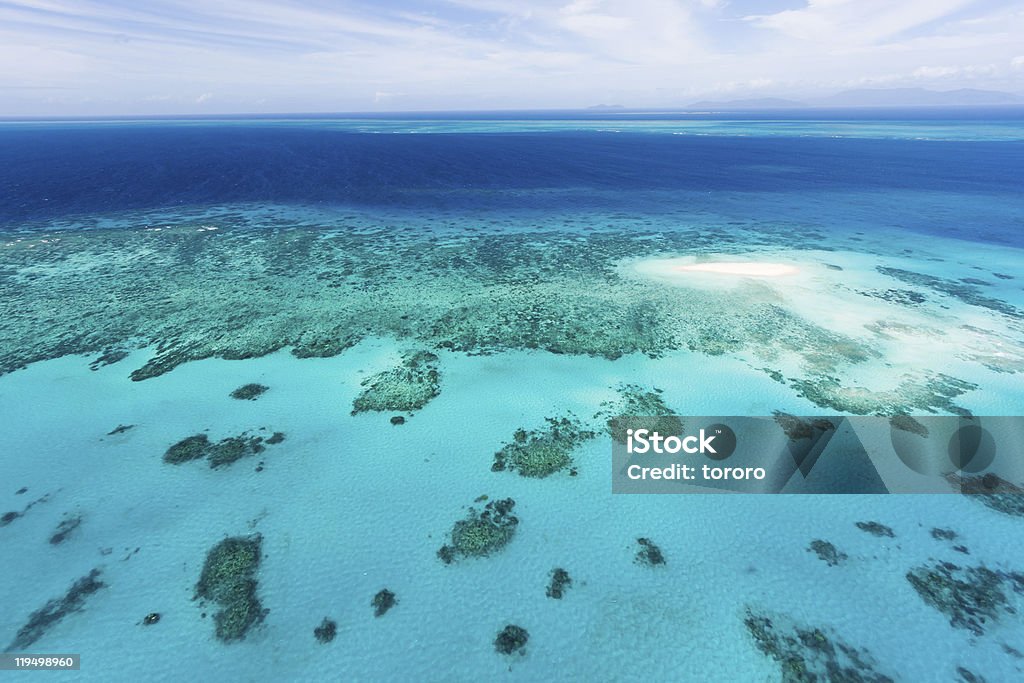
x=51 y=171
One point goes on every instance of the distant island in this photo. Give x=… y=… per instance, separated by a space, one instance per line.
x=758 y=103
x=875 y=97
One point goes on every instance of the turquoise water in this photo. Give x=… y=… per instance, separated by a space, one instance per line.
x=412 y=305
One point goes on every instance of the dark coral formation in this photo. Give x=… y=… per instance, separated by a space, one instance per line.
x=943 y=534
x=189 y=448
x=827 y=552
x=906 y=423
x=511 y=640
x=649 y=554
x=12 y=515
x=320 y=291
x=222 y=453
x=994 y=491
x=229 y=580
x=383 y=601
x=541 y=453
x=151 y=618
x=971 y=597
x=108 y=357
x=797 y=428
x=481 y=533
x=965 y=292
x=876 y=529
x=66 y=527
x=406 y=387
x=810 y=654
x=53 y=611
x=326 y=631
x=931 y=392
x=904 y=297
x=249 y=392
x=560 y=581
x=639 y=408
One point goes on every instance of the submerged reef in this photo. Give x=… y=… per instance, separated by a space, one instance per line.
x=876 y=529
x=560 y=581
x=249 y=392
x=649 y=554
x=807 y=654
x=66 y=527
x=964 y=291
x=229 y=580
x=326 y=631
x=512 y=640
x=406 y=387
x=53 y=611
x=541 y=453
x=972 y=597
x=383 y=601
x=992 y=490
x=481 y=533
x=639 y=408
x=189 y=292
x=827 y=552
x=222 y=453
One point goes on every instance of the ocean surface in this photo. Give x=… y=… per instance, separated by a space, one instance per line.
x=333 y=397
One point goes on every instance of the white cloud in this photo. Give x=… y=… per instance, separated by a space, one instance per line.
x=318 y=56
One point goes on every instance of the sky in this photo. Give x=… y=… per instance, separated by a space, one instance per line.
x=123 y=57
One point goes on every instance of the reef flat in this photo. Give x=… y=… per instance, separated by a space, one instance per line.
x=237 y=284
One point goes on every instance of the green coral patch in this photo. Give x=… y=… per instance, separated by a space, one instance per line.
x=807 y=653
x=229 y=580
x=406 y=387
x=541 y=453
x=481 y=534
x=639 y=408
x=223 y=452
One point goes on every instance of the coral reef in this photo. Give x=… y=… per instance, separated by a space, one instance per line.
x=222 y=453
x=810 y=654
x=189 y=448
x=797 y=429
x=319 y=292
x=511 y=640
x=971 y=597
x=876 y=529
x=638 y=408
x=326 y=631
x=539 y=453
x=382 y=602
x=228 y=579
x=407 y=387
x=151 y=618
x=827 y=552
x=993 y=491
x=66 y=527
x=965 y=292
x=53 y=611
x=649 y=554
x=481 y=533
x=249 y=392
x=560 y=581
